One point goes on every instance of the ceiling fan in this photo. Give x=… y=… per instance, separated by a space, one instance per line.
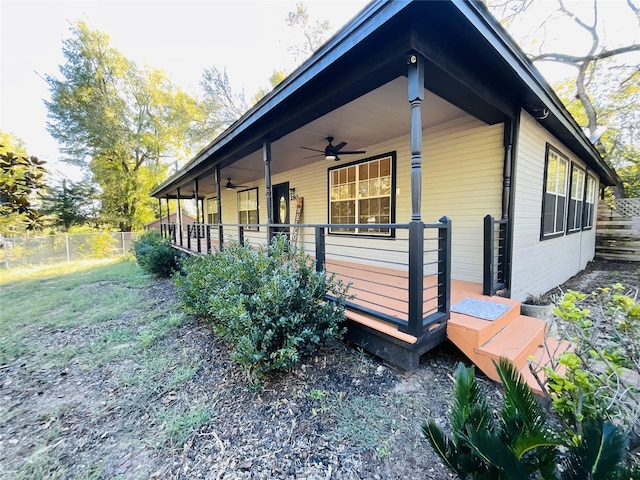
x=232 y=186
x=331 y=151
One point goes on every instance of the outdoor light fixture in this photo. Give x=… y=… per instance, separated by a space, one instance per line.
x=330 y=156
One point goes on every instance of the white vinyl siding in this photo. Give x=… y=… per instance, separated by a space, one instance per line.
x=539 y=266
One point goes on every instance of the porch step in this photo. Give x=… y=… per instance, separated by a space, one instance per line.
x=514 y=336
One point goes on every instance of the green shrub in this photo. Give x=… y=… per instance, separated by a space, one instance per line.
x=268 y=303
x=600 y=377
x=155 y=254
x=520 y=443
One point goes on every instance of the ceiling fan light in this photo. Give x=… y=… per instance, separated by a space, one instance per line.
x=329 y=156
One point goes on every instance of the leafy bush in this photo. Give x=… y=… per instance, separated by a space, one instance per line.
x=521 y=444
x=155 y=254
x=601 y=376
x=268 y=303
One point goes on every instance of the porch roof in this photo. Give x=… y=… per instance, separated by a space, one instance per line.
x=471 y=62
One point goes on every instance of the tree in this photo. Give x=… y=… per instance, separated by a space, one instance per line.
x=21 y=184
x=120 y=121
x=71 y=204
x=602 y=63
x=314 y=33
x=226 y=105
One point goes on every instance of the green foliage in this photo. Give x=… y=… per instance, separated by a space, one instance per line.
x=120 y=120
x=599 y=378
x=155 y=254
x=520 y=444
x=517 y=446
x=21 y=183
x=269 y=303
x=71 y=204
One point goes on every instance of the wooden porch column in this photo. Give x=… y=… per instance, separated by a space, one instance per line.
x=266 y=156
x=169 y=219
x=510 y=129
x=160 y=216
x=196 y=226
x=416 y=226
x=416 y=96
x=218 y=193
x=179 y=216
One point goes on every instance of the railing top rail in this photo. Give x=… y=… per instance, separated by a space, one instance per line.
x=397 y=226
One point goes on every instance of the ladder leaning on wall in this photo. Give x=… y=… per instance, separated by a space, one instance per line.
x=296 y=222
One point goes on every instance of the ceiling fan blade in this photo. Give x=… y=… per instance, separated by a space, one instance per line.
x=313 y=149
x=354 y=152
x=312 y=156
x=339 y=146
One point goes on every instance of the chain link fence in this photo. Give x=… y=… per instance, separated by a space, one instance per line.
x=48 y=249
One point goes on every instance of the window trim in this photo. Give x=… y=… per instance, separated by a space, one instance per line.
x=249 y=229
x=562 y=232
x=209 y=200
x=392 y=200
x=580 y=220
x=595 y=202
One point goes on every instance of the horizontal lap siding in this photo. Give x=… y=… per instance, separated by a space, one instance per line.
x=462 y=179
x=539 y=266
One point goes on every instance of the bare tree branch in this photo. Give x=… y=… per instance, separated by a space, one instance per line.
x=577 y=59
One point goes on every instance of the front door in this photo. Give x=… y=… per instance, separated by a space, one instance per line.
x=280 y=195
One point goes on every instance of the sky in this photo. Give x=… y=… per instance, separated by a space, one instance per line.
x=247 y=37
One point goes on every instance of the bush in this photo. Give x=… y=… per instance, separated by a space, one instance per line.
x=600 y=377
x=268 y=303
x=520 y=443
x=155 y=254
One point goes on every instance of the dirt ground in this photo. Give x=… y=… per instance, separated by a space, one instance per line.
x=342 y=415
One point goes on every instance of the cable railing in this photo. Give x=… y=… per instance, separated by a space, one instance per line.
x=496 y=264
x=402 y=278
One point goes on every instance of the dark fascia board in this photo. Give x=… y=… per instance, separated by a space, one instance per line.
x=361 y=27
x=560 y=121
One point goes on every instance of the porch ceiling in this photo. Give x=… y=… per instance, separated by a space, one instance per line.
x=380 y=115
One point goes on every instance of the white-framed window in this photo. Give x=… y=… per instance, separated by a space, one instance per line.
x=212 y=211
x=576 y=199
x=554 y=202
x=590 y=197
x=362 y=193
x=248 y=208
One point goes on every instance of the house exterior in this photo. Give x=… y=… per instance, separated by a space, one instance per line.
x=467 y=168
x=172 y=219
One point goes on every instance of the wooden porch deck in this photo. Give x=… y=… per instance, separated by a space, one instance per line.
x=386 y=291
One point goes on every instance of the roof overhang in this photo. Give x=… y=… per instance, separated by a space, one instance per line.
x=471 y=62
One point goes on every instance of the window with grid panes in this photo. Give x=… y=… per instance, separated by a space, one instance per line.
x=555 y=194
x=576 y=200
x=248 y=208
x=589 y=203
x=212 y=211
x=361 y=193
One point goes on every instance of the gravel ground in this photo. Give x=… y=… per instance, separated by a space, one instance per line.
x=183 y=411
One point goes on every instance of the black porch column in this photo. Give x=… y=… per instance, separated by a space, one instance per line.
x=416 y=226
x=169 y=219
x=509 y=139
x=179 y=216
x=160 y=216
x=266 y=156
x=218 y=193
x=196 y=226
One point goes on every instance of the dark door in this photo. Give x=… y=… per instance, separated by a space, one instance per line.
x=280 y=195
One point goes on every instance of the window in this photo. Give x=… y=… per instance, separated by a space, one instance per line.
x=576 y=200
x=248 y=208
x=555 y=194
x=589 y=203
x=361 y=193
x=212 y=211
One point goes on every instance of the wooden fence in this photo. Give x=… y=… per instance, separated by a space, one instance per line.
x=618 y=230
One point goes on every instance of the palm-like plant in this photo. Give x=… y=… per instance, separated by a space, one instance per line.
x=519 y=444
